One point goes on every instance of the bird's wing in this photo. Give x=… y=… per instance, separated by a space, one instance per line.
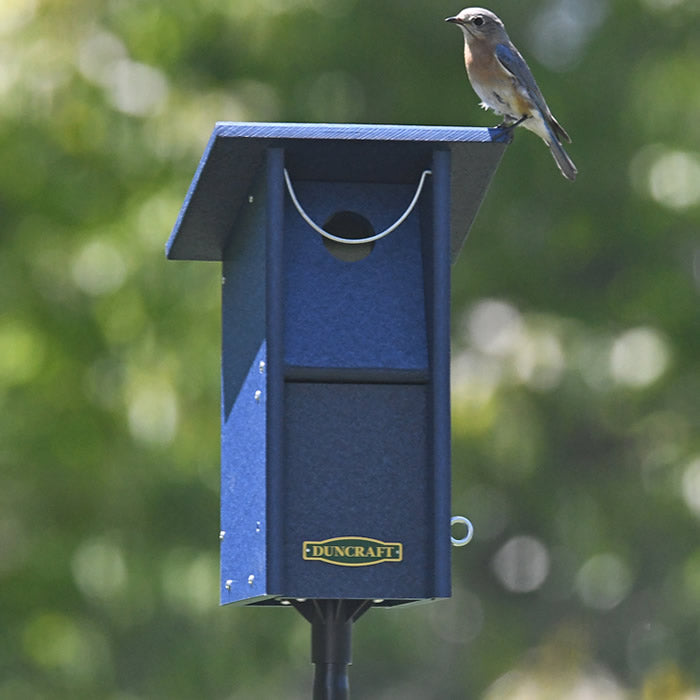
x=510 y=58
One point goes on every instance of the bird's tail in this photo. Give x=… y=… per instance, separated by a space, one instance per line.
x=552 y=133
x=561 y=157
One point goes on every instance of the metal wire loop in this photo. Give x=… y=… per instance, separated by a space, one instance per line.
x=355 y=241
x=470 y=530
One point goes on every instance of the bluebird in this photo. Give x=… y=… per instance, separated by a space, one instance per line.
x=505 y=84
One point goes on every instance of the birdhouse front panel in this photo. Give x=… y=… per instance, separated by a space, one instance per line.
x=354 y=314
x=358 y=474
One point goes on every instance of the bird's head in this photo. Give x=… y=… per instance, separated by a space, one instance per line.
x=478 y=23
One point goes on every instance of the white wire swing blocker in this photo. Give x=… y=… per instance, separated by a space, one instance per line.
x=355 y=241
x=461 y=520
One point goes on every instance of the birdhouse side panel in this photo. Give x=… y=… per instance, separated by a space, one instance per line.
x=243 y=295
x=244 y=490
x=244 y=372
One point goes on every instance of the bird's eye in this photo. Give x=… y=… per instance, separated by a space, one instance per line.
x=478 y=21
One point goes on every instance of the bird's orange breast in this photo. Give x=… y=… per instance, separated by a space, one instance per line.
x=492 y=82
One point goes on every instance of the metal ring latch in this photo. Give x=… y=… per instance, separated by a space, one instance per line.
x=355 y=241
x=469 y=534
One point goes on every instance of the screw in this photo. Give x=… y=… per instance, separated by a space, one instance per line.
x=229 y=582
x=251 y=199
x=251 y=578
x=222 y=534
x=261 y=366
x=258 y=394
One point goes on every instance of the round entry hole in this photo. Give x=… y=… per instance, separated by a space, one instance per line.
x=353 y=226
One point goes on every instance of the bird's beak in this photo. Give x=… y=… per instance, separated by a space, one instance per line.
x=456 y=20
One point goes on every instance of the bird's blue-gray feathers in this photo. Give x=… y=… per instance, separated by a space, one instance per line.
x=509 y=57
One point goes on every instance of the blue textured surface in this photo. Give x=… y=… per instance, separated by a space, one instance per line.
x=244 y=490
x=358 y=464
x=369 y=313
x=243 y=418
x=330 y=153
x=362 y=132
x=439 y=333
x=243 y=298
x=274 y=320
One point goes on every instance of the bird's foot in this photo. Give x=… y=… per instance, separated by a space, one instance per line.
x=508 y=125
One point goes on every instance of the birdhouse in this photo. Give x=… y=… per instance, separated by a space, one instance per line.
x=336 y=243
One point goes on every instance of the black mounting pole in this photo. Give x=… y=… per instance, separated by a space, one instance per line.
x=331 y=643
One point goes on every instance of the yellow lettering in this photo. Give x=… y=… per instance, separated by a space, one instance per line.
x=363 y=555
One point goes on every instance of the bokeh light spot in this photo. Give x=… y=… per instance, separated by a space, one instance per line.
x=539 y=359
x=54 y=641
x=674 y=179
x=98 y=268
x=603 y=581
x=99 y=569
x=134 y=88
x=638 y=357
x=137 y=89
x=152 y=412
x=596 y=684
x=562 y=29
x=494 y=327
x=191 y=580
x=522 y=564
x=97 y=54
x=691 y=486
x=21 y=351
x=15 y=14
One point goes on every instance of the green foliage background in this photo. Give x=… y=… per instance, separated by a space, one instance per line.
x=576 y=375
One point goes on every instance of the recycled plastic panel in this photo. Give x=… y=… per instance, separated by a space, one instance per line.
x=243 y=416
x=369 y=313
x=357 y=463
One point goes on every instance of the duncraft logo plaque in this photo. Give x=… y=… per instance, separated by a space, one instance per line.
x=353 y=551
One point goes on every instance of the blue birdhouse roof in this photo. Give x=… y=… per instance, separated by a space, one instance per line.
x=328 y=152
